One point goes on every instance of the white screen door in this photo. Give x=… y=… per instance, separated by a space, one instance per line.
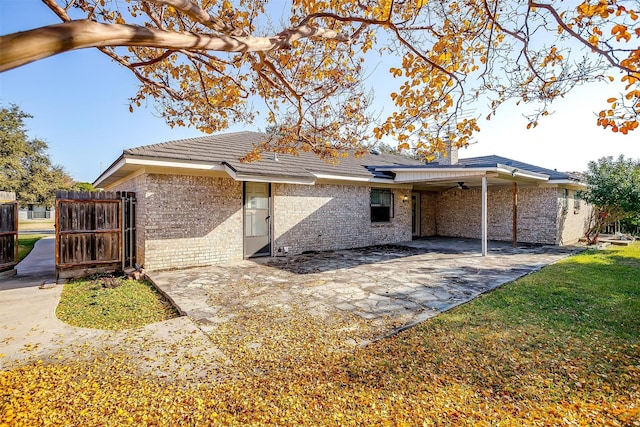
x=257 y=219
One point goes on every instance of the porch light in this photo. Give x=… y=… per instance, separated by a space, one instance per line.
x=405 y=198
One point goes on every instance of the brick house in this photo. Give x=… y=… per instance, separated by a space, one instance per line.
x=197 y=204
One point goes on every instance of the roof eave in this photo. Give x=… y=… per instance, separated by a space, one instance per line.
x=257 y=177
x=131 y=160
x=114 y=167
x=350 y=178
x=570 y=182
x=498 y=170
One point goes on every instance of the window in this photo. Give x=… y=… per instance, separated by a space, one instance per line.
x=576 y=201
x=565 y=200
x=381 y=205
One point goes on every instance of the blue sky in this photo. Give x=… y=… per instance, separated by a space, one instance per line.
x=79 y=103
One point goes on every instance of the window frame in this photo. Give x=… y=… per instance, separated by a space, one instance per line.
x=565 y=200
x=577 y=201
x=390 y=205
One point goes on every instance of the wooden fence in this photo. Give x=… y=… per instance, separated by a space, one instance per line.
x=95 y=232
x=8 y=231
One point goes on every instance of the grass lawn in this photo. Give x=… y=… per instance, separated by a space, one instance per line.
x=557 y=347
x=113 y=303
x=36 y=224
x=26 y=243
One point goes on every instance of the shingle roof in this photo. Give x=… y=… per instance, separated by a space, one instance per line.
x=493 y=161
x=230 y=147
x=227 y=149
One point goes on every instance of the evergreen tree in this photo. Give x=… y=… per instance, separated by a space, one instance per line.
x=25 y=166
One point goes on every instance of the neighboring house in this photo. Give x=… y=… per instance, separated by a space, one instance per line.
x=197 y=204
x=37 y=212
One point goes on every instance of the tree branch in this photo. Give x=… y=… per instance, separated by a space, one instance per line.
x=166 y=54
x=581 y=39
x=22 y=48
x=199 y=15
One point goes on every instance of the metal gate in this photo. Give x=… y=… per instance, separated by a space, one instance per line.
x=95 y=232
x=8 y=231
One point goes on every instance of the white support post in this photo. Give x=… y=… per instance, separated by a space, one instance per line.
x=484 y=216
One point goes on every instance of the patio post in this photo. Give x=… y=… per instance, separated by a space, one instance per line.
x=514 y=226
x=484 y=216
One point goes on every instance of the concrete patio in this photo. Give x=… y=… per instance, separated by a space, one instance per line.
x=386 y=288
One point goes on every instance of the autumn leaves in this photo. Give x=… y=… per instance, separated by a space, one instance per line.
x=308 y=72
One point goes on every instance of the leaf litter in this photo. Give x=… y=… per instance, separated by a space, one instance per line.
x=279 y=363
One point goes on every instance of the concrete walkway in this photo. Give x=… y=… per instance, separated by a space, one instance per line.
x=30 y=330
x=37 y=267
x=391 y=287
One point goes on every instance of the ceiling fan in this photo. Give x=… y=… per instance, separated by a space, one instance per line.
x=460 y=186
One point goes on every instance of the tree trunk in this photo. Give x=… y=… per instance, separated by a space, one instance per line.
x=595 y=227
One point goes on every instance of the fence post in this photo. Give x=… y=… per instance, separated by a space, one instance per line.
x=123 y=243
x=8 y=233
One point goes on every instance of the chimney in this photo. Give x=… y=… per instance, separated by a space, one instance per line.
x=450 y=156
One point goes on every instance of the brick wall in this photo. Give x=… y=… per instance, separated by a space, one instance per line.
x=458 y=214
x=186 y=221
x=572 y=221
x=327 y=217
x=192 y=221
x=428 y=201
x=538 y=215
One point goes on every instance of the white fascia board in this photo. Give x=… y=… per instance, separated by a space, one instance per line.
x=504 y=169
x=513 y=171
x=230 y=171
x=568 y=182
x=265 y=178
x=384 y=181
x=137 y=161
x=106 y=174
x=341 y=177
x=396 y=170
x=132 y=175
x=274 y=179
x=357 y=180
x=181 y=164
x=435 y=175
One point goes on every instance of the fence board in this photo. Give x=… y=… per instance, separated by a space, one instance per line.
x=90 y=231
x=8 y=231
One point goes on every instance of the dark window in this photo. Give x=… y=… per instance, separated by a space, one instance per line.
x=576 y=201
x=381 y=205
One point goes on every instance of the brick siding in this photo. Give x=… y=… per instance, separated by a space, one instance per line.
x=457 y=213
x=188 y=221
x=572 y=221
x=428 y=203
x=328 y=217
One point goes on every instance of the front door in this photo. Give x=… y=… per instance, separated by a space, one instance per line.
x=415 y=214
x=257 y=219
